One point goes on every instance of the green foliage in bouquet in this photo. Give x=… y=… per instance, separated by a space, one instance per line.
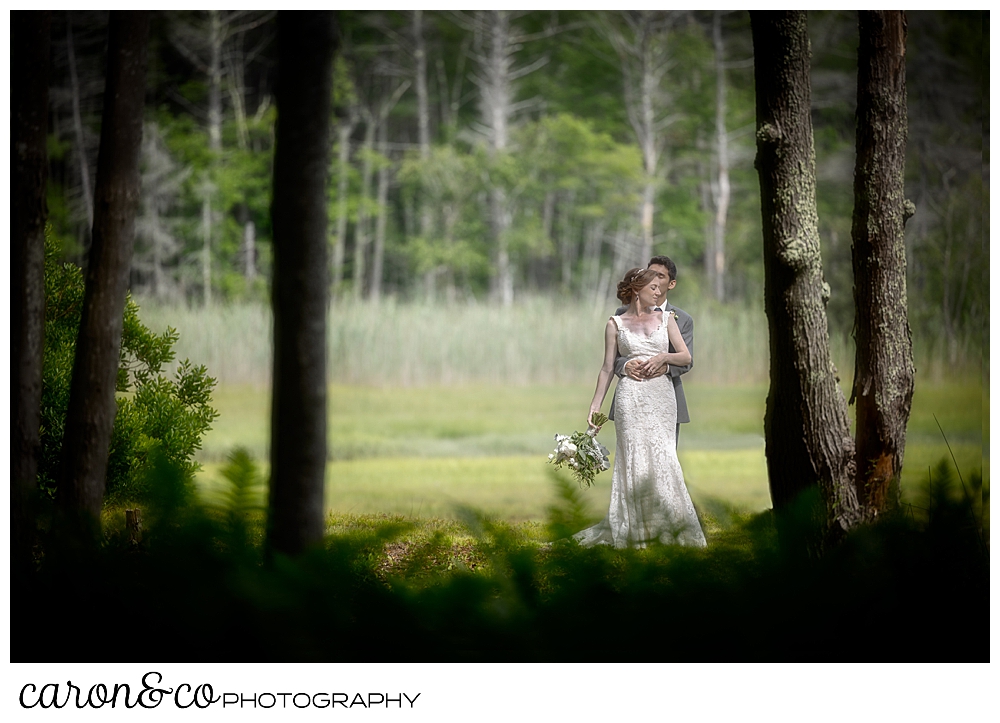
x=153 y=411
x=582 y=453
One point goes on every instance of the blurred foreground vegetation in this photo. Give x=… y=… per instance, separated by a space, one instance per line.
x=198 y=587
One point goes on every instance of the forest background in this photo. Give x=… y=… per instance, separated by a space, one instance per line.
x=493 y=176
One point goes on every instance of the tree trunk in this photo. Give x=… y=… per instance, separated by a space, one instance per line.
x=640 y=39
x=344 y=140
x=215 y=40
x=567 y=243
x=249 y=250
x=29 y=115
x=499 y=223
x=81 y=148
x=361 y=227
x=420 y=55
x=423 y=116
x=206 y=239
x=236 y=70
x=807 y=435
x=649 y=154
x=722 y=152
x=91 y=412
x=495 y=108
x=306 y=47
x=152 y=212
x=375 y=290
x=883 y=372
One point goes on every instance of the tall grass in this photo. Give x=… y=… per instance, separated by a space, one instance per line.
x=538 y=340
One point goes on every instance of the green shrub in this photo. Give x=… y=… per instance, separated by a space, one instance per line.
x=153 y=411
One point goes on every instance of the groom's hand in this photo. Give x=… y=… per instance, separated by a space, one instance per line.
x=632 y=370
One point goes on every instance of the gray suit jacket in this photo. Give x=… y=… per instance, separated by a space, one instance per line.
x=686 y=324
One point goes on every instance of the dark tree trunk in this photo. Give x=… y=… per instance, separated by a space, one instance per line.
x=29 y=114
x=807 y=436
x=81 y=147
x=306 y=47
x=91 y=411
x=883 y=371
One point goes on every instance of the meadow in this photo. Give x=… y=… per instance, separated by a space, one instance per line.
x=436 y=409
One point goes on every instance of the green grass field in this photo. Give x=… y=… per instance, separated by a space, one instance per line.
x=427 y=452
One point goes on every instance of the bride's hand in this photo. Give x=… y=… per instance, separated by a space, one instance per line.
x=653 y=367
x=590 y=416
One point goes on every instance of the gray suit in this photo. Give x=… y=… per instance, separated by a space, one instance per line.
x=686 y=324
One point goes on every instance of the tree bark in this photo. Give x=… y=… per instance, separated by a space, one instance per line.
x=883 y=371
x=807 y=435
x=306 y=47
x=29 y=76
x=91 y=412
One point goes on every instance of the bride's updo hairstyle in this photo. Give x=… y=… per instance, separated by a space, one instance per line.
x=634 y=280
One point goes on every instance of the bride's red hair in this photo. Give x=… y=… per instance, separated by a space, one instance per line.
x=634 y=280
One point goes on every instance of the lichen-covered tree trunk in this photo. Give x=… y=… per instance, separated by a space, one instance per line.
x=306 y=47
x=807 y=436
x=883 y=372
x=91 y=412
x=28 y=213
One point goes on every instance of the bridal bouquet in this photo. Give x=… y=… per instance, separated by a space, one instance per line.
x=582 y=453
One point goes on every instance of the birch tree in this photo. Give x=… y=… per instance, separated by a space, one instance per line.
x=162 y=180
x=721 y=187
x=204 y=45
x=495 y=47
x=641 y=39
x=346 y=99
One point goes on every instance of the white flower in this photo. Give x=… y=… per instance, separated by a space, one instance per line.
x=569 y=447
x=552 y=456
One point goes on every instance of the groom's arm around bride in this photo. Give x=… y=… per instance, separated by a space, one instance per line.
x=654 y=367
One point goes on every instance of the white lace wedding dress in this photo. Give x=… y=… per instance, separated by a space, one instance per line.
x=649 y=500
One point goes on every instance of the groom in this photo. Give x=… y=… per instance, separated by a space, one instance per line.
x=655 y=365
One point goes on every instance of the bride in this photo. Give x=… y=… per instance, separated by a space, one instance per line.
x=649 y=501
